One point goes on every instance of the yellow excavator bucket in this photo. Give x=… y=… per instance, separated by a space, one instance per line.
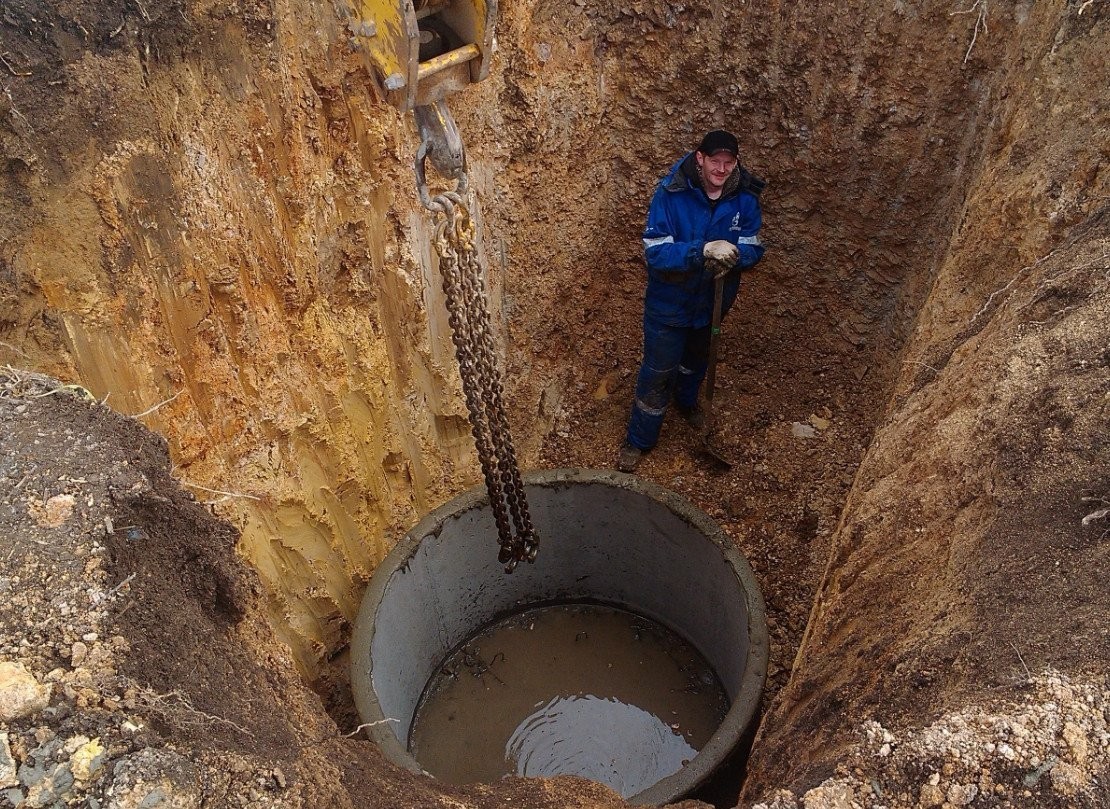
x=421 y=51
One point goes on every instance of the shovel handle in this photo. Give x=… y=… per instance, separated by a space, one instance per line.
x=714 y=338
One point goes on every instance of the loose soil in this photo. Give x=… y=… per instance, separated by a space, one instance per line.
x=132 y=605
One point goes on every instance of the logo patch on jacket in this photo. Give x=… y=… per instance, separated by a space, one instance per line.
x=735 y=223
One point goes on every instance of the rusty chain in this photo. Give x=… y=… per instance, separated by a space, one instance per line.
x=468 y=314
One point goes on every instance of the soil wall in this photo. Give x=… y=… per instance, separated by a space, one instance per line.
x=207 y=209
x=963 y=560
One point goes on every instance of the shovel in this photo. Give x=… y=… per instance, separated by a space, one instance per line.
x=707 y=447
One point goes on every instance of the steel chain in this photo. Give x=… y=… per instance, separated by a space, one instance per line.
x=468 y=315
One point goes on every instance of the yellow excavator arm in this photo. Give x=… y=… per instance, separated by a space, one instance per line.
x=421 y=51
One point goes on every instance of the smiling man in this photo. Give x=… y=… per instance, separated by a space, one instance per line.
x=703 y=222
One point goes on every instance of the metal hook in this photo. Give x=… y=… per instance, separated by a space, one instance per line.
x=440 y=141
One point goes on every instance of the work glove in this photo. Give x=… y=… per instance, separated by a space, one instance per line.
x=722 y=251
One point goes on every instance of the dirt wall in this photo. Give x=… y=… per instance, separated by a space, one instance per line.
x=963 y=560
x=208 y=212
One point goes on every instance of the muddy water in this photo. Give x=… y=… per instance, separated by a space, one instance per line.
x=573 y=689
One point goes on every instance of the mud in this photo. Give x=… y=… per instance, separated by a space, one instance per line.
x=575 y=690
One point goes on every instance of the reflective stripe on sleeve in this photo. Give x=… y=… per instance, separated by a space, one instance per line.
x=753 y=240
x=658 y=241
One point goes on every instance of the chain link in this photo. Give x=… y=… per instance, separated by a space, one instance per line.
x=468 y=314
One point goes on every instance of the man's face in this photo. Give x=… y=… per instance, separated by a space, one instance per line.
x=715 y=168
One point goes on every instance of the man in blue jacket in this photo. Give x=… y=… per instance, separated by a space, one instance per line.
x=703 y=222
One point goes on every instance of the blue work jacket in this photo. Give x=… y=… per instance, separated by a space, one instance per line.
x=680 y=221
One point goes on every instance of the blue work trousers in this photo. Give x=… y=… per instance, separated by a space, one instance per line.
x=675 y=361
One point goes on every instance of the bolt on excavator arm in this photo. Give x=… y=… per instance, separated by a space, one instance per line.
x=421 y=51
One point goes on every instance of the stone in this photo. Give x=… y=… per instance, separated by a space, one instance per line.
x=1067 y=779
x=608 y=385
x=154 y=778
x=781 y=799
x=830 y=795
x=52 y=790
x=87 y=760
x=31 y=774
x=962 y=794
x=819 y=423
x=78 y=653
x=8 y=776
x=21 y=695
x=57 y=510
x=74 y=743
x=1076 y=740
x=930 y=795
x=61 y=780
x=800 y=430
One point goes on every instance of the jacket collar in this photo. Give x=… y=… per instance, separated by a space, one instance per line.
x=684 y=176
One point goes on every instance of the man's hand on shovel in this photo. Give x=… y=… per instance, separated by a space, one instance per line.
x=722 y=251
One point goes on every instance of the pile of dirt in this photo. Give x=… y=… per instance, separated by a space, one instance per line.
x=135 y=663
x=1050 y=749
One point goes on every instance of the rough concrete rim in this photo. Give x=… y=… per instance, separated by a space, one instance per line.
x=744 y=706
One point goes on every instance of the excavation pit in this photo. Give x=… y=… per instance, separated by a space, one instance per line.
x=607 y=539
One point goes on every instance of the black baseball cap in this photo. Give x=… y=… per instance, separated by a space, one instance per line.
x=719 y=141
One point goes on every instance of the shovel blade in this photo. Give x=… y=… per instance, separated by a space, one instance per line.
x=707 y=445
x=714 y=455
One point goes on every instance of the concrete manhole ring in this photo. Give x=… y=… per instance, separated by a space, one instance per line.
x=605 y=537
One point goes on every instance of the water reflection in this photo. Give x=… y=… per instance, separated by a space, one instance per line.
x=568 y=690
x=620 y=745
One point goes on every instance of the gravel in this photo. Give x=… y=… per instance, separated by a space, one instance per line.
x=1050 y=748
